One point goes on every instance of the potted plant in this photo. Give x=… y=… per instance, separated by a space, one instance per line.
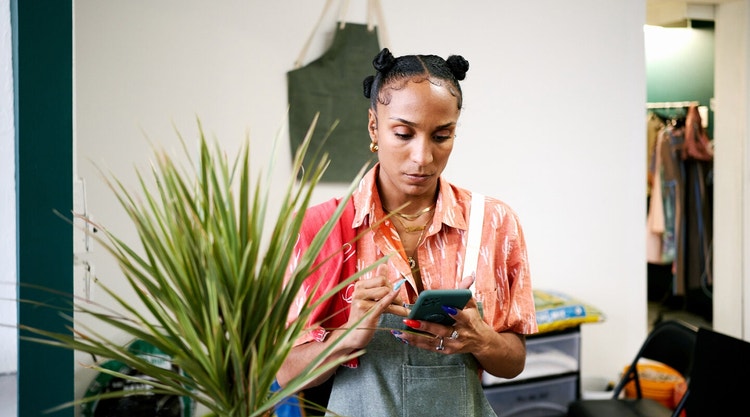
x=209 y=282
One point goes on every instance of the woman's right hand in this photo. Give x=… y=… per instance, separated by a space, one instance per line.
x=372 y=296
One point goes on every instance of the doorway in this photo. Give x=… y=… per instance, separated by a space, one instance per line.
x=680 y=75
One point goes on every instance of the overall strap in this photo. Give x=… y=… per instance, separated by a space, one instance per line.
x=473 y=240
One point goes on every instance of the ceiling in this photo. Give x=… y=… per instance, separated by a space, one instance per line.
x=680 y=13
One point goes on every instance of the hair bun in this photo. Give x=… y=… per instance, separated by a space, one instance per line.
x=384 y=60
x=367 y=85
x=458 y=66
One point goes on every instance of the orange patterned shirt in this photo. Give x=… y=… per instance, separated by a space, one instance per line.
x=503 y=283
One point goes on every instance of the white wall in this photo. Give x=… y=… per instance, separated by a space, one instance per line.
x=732 y=169
x=553 y=121
x=8 y=312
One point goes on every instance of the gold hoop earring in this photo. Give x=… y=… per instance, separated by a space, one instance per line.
x=373 y=147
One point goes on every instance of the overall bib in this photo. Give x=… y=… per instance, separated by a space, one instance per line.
x=395 y=379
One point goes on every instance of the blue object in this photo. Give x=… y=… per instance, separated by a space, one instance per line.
x=289 y=407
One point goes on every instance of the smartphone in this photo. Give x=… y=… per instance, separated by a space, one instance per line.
x=429 y=305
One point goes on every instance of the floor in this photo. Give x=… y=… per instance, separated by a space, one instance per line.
x=695 y=306
x=659 y=311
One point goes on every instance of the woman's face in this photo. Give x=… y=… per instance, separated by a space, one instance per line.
x=414 y=134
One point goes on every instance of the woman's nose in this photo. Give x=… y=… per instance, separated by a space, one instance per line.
x=421 y=151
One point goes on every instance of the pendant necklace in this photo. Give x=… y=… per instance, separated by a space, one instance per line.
x=413 y=229
x=411 y=259
x=412 y=263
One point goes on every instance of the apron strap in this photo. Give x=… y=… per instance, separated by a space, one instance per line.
x=303 y=52
x=342 y=13
x=374 y=9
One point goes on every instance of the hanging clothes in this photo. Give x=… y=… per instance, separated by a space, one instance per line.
x=664 y=205
x=697 y=155
x=697 y=144
x=680 y=202
x=654 y=125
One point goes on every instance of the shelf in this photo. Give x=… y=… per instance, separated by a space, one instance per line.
x=546 y=355
x=549 y=382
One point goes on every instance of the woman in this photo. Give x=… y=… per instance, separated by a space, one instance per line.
x=415 y=106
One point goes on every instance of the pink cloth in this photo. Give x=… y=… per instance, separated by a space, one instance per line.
x=697 y=144
x=334 y=312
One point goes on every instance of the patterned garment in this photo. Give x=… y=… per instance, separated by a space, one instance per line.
x=503 y=283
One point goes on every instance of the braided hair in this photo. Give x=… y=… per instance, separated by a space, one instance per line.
x=395 y=72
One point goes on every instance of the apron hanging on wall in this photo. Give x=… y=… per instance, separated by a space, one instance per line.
x=332 y=86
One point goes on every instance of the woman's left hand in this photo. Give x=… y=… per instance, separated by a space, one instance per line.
x=467 y=335
x=464 y=336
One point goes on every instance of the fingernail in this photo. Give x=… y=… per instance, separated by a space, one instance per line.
x=399 y=284
x=414 y=324
x=398 y=334
x=450 y=310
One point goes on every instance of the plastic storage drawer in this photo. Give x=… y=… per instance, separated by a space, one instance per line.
x=546 y=355
x=546 y=398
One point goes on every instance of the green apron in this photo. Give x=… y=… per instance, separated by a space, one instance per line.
x=332 y=86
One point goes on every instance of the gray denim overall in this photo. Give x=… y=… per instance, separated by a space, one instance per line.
x=397 y=380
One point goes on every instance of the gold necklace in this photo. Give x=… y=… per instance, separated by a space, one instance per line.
x=411 y=259
x=413 y=229
x=411 y=217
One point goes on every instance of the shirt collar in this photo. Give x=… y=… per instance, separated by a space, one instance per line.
x=448 y=210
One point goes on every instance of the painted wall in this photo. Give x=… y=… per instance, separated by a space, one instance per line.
x=553 y=120
x=732 y=166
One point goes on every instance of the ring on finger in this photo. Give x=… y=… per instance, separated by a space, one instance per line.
x=440 y=344
x=454 y=335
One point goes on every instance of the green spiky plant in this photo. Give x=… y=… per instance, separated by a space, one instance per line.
x=211 y=293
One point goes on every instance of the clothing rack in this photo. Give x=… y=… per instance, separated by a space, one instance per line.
x=671 y=104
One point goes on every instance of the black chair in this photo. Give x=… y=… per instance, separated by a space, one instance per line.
x=670 y=342
x=719 y=381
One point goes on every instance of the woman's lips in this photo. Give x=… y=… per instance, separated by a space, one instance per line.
x=417 y=178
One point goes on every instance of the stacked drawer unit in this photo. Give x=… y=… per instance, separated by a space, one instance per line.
x=548 y=383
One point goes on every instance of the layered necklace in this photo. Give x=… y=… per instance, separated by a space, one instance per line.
x=413 y=229
x=415 y=216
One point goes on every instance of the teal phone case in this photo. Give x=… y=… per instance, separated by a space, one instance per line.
x=429 y=305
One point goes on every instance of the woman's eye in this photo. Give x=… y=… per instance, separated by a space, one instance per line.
x=403 y=135
x=443 y=136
